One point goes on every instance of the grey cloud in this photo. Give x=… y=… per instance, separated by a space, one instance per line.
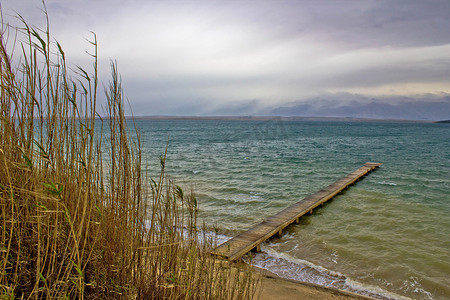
x=347 y=23
x=236 y=108
x=167 y=106
x=376 y=23
x=202 y=57
x=422 y=71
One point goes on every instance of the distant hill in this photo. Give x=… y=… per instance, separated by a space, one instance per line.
x=272 y=118
x=412 y=110
x=443 y=121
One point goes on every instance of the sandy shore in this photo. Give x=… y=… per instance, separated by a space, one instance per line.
x=275 y=287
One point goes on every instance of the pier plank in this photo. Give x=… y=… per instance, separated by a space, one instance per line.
x=251 y=239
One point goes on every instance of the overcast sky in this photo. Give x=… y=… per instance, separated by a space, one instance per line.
x=253 y=57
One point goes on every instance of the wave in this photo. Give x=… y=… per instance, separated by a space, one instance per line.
x=387 y=183
x=288 y=267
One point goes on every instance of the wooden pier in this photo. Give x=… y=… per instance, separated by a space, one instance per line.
x=251 y=239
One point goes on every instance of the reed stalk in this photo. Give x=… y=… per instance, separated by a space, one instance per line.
x=79 y=219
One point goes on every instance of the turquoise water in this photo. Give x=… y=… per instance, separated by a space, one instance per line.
x=388 y=236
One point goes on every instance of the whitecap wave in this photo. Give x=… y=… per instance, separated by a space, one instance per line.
x=286 y=266
x=387 y=183
x=413 y=285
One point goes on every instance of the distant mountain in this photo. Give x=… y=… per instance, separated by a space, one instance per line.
x=373 y=109
x=443 y=121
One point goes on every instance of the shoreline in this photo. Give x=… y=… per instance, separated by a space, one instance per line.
x=276 y=287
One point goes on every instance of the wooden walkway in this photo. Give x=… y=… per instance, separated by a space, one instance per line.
x=251 y=239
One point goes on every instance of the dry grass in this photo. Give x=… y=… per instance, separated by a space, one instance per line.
x=78 y=218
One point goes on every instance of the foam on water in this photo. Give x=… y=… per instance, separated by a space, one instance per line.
x=387 y=183
x=289 y=267
x=286 y=266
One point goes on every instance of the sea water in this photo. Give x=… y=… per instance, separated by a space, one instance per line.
x=388 y=236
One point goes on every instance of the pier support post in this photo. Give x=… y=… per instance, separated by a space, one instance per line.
x=257 y=248
x=280 y=233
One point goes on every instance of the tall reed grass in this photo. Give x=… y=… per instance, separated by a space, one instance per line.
x=78 y=217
